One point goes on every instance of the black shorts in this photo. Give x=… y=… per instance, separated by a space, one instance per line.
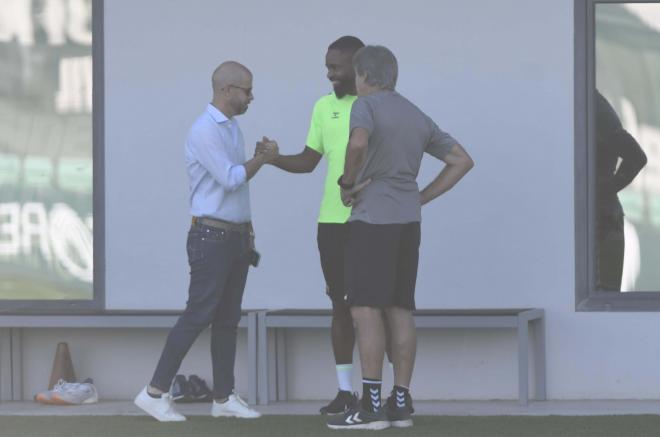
x=381 y=264
x=331 y=238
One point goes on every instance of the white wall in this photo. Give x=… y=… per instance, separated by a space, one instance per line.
x=497 y=75
x=491 y=73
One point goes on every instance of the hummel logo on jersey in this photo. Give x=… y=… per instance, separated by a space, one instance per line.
x=335 y=114
x=355 y=418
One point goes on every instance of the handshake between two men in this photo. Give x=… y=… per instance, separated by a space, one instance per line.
x=268 y=148
x=305 y=162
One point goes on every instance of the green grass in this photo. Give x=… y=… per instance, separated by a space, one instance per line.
x=313 y=426
x=22 y=289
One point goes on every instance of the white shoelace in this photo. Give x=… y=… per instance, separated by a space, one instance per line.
x=242 y=402
x=62 y=386
x=59 y=386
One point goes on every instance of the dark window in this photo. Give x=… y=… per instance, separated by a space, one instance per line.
x=49 y=137
x=617 y=170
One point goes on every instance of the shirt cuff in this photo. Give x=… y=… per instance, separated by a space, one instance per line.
x=239 y=174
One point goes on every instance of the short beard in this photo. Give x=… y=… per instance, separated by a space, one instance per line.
x=342 y=90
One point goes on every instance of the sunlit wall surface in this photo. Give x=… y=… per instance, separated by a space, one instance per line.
x=628 y=75
x=46 y=215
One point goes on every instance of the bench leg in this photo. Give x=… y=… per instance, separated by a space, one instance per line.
x=262 y=339
x=523 y=362
x=280 y=348
x=253 y=366
x=5 y=365
x=539 y=358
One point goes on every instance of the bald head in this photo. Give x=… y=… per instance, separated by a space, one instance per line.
x=229 y=73
x=232 y=88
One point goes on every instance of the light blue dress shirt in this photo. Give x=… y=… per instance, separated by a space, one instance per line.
x=215 y=153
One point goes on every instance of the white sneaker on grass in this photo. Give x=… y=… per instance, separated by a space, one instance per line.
x=160 y=408
x=234 y=406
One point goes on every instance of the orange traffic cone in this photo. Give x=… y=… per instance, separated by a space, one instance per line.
x=62 y=366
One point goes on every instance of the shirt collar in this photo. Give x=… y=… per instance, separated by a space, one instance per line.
x=346 y=97
x=216 y=114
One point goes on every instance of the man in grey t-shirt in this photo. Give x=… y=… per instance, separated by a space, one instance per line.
x=388 y=137
x=399 y=134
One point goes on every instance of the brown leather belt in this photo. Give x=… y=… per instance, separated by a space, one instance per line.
x=221 y=224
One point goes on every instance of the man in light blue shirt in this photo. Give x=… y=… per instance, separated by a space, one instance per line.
x=216 y=174
x=220 y=246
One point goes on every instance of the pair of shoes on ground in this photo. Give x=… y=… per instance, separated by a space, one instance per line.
x=345 y=400
x=69 y=393
x=163 y=409
x=193 y=389
x=396 y=413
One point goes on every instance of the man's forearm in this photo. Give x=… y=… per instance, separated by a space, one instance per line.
x=633 y=159
x=253 y=165
x=356 y=154
x=447 y=178
x=355 y=157
x=304 y=162
x=293 y=163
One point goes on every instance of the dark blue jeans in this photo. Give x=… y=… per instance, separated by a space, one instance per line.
x=219 y=262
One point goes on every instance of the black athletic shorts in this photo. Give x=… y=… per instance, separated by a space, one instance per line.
x=331 y=238
x=381 y=264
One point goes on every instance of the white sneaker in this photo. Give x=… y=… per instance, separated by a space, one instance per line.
x=160 y=408
x=234 y=406
x=75 y=393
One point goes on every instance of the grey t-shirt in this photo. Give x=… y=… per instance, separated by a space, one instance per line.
x=399 y=134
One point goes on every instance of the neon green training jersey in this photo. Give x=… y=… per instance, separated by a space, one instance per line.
x=328 y=135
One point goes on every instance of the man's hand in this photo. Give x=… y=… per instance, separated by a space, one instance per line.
x=268 y=148
x=348 y=196
x=266 y=152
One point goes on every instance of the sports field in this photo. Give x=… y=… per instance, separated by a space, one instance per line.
x=312 y=426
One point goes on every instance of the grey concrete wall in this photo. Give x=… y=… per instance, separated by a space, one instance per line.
x=497 y=75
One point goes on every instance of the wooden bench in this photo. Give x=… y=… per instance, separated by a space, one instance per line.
x=521 y=319
x=10 y=362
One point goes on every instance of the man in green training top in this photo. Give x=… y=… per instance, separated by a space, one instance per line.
x=328 y=136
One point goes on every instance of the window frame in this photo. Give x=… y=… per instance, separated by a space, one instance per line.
x=97 y=303
x=586 y=297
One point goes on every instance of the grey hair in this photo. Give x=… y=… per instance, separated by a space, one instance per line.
x=379 y=66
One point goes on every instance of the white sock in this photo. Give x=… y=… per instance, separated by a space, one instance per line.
x=345 y=377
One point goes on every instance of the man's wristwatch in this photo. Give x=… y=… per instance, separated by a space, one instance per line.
x=342 y=185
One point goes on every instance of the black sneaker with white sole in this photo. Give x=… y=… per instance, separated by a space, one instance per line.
x=399 y=417
x=359 y=418
x=199 y=391
x=344 y=401
x=391 y=402
x=399 y=413
x=179 y=389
